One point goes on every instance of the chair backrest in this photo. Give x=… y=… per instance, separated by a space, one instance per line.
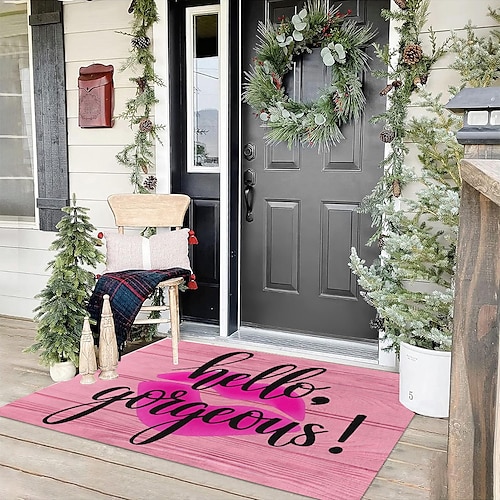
x=149 y=210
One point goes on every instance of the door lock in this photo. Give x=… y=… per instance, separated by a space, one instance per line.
x=249 y=151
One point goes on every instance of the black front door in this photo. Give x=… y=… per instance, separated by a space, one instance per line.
x=295 y=252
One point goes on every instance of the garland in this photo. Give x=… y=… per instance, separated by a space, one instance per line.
x=341 y=42
x=139 y=155
x=407 y=71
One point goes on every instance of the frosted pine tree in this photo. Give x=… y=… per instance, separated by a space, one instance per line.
x=412 y=285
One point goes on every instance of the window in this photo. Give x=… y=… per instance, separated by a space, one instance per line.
x=203 y=88
x=17 y=199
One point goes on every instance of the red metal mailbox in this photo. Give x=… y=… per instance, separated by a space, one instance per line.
x=96 y=99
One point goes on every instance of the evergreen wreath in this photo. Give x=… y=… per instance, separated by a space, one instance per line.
x=342 y=44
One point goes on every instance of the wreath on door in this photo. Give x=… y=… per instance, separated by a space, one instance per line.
x=342 y=42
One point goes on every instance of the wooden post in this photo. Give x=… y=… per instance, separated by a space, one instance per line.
x=473 y=423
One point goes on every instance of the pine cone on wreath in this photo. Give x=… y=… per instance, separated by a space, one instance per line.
x=145 y=125
x=150 y=182
x=387 y=136
x=386 y=89
x=140 y=42
x=397 y=83
x=401 y=4
x=412 y=54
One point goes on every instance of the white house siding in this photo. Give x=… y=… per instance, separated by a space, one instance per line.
x=90 y=37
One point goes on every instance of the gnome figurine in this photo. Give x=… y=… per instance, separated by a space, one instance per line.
x=87 y=360
x=108 y=348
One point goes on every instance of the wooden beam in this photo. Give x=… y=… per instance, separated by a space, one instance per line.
x=484 y=176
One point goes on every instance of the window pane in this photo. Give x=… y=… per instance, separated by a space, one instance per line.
x=17 y=200
x=205 y=90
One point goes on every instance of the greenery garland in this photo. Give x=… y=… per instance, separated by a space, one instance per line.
x=342 y=42
x=139 y=155
x=407 y=71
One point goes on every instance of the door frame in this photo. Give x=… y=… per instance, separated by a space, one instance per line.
x=229 y=157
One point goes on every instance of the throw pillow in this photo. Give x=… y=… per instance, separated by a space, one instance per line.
x=160 y=251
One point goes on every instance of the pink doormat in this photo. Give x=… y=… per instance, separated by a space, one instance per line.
x=318 y=429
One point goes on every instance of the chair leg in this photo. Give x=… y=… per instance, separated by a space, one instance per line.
x=173 y=300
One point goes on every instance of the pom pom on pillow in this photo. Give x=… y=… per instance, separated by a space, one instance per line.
x=160 y=251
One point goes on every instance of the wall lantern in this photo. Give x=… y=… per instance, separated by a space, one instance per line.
x=481 y=109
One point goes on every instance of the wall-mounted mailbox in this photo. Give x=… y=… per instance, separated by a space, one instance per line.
x=96 y=99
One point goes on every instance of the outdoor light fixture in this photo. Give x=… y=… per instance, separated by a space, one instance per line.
x=481 y=109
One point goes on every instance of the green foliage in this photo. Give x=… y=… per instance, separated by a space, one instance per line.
x=63 y=301
x=342 y=41
x=479 y=64
x=412 y=285
x=404 y=80
x=138 y=156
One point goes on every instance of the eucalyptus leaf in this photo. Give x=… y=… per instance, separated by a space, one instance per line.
x=299 y=26
x=324 y=51
x=340 y=51
x=280 y=38
x=285 y=113
x=274 y=118
x=303 y=13
x=298 y=36
x=319 y=119
x=296 y=19
x=264 y=116
x=328 y=59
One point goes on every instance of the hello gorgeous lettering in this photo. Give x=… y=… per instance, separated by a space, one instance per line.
x=174 y=404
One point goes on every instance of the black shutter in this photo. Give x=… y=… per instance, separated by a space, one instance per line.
x=50 y=110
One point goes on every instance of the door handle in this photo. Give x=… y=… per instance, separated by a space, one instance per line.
x=249 y=179
x=249 y=197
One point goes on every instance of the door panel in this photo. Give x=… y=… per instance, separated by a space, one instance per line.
x=295 y=252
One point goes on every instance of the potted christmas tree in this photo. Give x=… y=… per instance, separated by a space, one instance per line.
x=412 y=285
x=63 y=301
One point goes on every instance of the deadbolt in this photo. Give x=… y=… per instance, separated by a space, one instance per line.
x=249 y=151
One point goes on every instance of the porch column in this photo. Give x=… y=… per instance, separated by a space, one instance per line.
x=473 y=433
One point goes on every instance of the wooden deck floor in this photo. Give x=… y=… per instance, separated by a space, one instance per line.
x=39 y=464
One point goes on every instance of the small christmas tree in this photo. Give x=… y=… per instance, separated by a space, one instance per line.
x=412 y=285
x=63 y=301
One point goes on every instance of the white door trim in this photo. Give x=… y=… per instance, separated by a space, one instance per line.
x=224 y=169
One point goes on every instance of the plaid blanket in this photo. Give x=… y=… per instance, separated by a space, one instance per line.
x=127 y=292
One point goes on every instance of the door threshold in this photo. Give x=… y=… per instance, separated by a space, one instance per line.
x=349 y=352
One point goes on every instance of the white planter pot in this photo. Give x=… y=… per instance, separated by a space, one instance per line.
x=424 y=380
x=65 y=370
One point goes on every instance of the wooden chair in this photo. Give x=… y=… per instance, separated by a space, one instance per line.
x=155 y=210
